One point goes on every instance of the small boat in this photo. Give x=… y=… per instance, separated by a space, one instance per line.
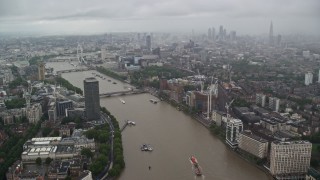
x=123 y=102
x=131 y=123
x=114 y=83
x=146 y=147
x=153 y=101
x=194 y=162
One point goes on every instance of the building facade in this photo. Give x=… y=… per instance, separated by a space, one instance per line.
x=253 y=144
x=274 y=103
x=92 y=99
x=290 y=160
x=62 y=106
x=261 y=99
x=233 y=129
x=34 y=113
x=308 y=77
x=41 y=71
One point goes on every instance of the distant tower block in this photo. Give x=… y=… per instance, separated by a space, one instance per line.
x=271 y=35
x=308 y=78
x=319 y=77
x=41 y=71
x=148 y=42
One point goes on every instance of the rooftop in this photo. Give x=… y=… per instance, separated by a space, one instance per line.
x=255 y=137
x=91 y=79
x=46 y=139
x=291 y=142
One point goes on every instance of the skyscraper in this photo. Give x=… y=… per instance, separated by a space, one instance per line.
x=148 y=42
x=319 y=76
x=221 y=32
x=92 y=99
x=279 y=40
x=233 y=35
x=271 y=34
x=209 y=34
x=41 y=71
x=213 y=33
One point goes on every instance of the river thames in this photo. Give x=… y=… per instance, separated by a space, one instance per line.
x=174 y=136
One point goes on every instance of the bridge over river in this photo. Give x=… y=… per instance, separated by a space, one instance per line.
x=75 y=70
x=120 y=93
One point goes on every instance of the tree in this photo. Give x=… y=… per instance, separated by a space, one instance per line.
x=46 y=131
x=48 y=160
x=38 y=161
x=87 y=152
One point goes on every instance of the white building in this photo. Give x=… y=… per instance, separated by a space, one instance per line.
x=308 y=78
x=274 y=103
x=234 y=127
x=34 y=113
x=290 y=160
x=306 y=54
x=253 y=144
x=261 y=99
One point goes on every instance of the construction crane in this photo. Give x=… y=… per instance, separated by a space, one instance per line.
x=201 y=82
x=227 y=107
x=212 y=88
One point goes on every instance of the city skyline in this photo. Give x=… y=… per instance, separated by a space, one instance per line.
x=81 y=17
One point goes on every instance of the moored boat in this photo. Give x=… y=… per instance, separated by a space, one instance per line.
x=153 y=101
x=123 y=102
x=194 y=162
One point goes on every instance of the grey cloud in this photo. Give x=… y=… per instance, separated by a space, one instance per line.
x=139 y=13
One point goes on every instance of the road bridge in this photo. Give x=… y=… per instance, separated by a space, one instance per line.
x=74 y=70
x=120 y=93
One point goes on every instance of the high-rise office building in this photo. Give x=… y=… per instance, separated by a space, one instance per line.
x=148 y=42
x=274 y=103
x=289 y=160
x=279 y=40
x=221 y=32
x=261 y=99
x=92 y=99
x=233 y=35
x=234 y=127
x=213 y=33
x=319 y=76
x=41 y=71
x=308 y=78
x=209 y=34
x=271 y=34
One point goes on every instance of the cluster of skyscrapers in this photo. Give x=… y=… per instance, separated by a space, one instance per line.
x=221 y=35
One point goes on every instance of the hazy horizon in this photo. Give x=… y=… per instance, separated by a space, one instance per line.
x=96 y=17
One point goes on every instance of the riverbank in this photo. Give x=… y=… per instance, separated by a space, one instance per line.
x=208 y=124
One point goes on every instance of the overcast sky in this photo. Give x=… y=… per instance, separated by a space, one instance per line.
x=100 y=16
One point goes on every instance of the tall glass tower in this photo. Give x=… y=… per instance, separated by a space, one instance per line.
x=92 y=99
